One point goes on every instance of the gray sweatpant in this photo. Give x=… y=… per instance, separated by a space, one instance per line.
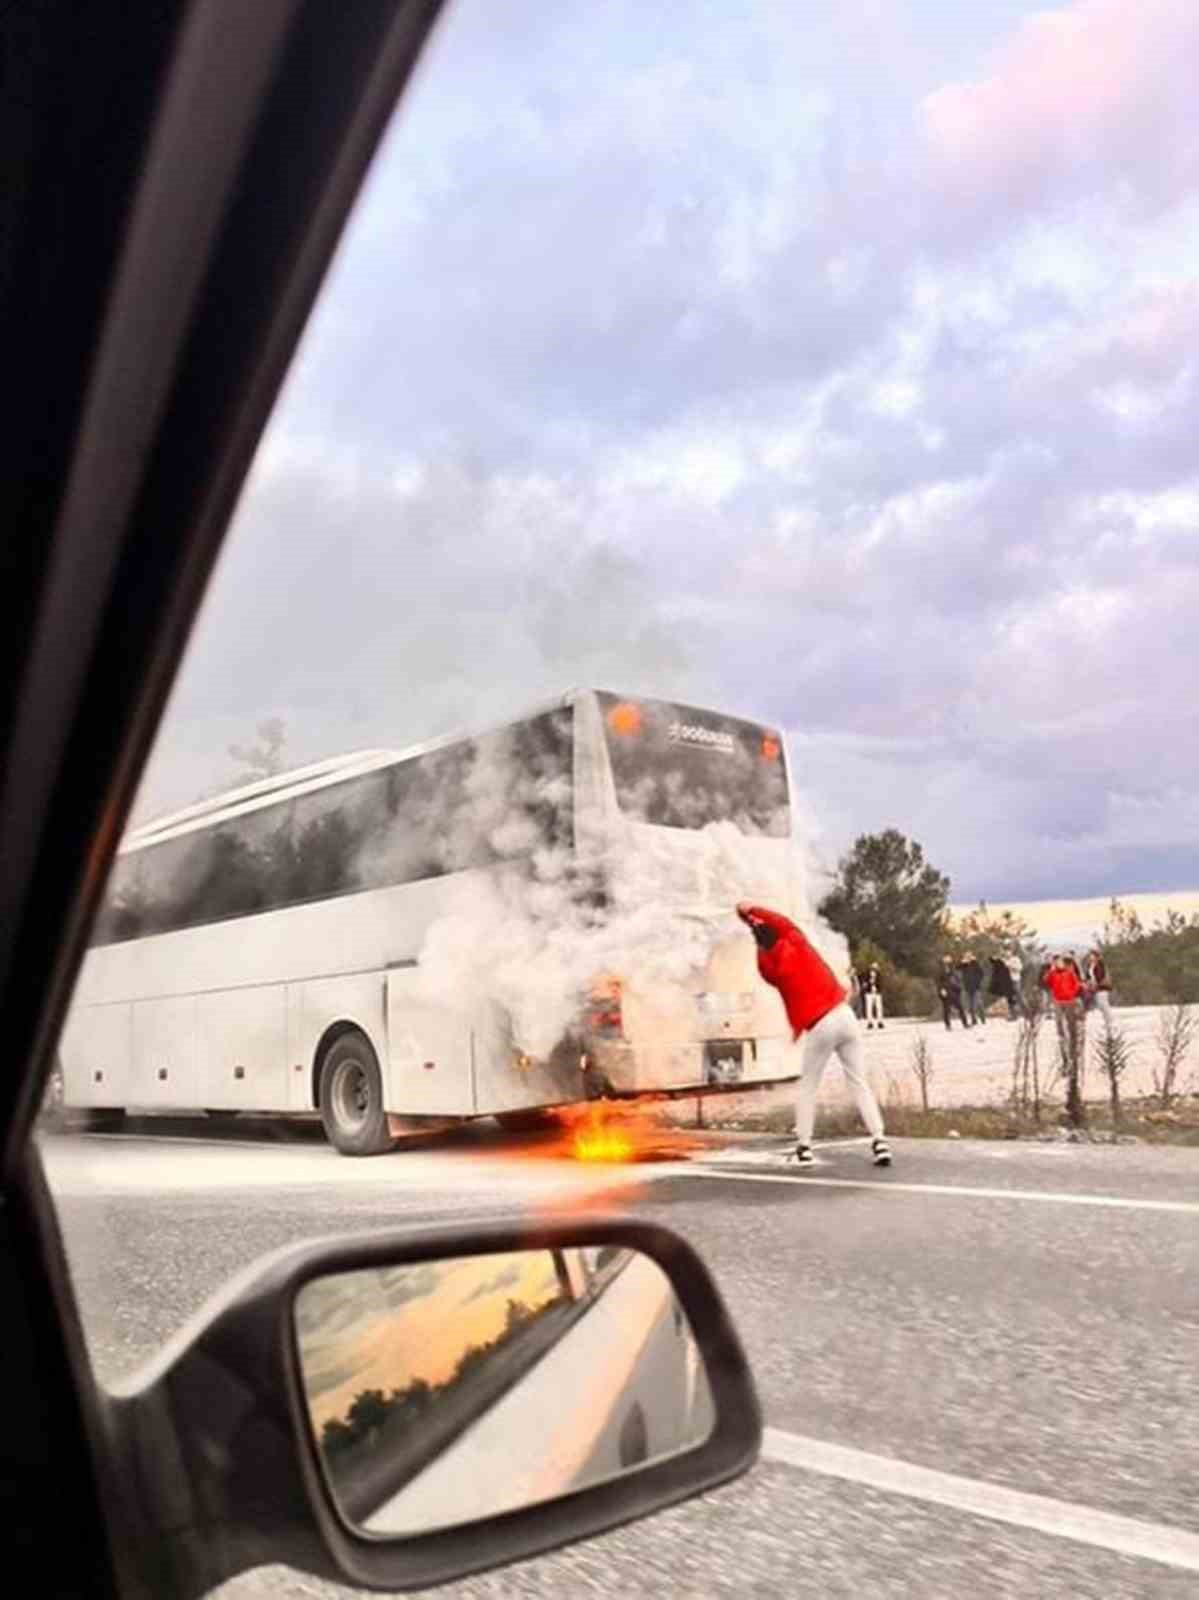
x=836 y=1033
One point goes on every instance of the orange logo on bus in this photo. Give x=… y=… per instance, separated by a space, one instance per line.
x=771 y=748
x=625 y=719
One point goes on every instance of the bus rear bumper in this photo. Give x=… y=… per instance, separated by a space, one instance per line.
x=701 y=1091
x=688 y=1068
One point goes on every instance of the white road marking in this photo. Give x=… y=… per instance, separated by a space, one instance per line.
x=171 y=1164
x=1043 y=1196
x=1064 y=1519
x=159 y=1164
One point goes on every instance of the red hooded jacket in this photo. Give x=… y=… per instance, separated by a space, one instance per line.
x=807 y=985
x=1063 y=984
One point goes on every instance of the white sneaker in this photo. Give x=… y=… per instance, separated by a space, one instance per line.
x=881 y=1152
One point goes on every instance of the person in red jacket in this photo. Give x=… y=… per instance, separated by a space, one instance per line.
x=816 y=1005
x=1063 y=982
x=1066 y=988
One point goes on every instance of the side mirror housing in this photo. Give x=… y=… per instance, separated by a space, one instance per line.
x=401 y=1410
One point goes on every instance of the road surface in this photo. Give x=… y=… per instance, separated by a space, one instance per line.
x=980 y=1371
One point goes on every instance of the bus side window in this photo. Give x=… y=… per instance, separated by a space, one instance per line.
x=324 y=845
x=417 y=805
x=543 y=756
x=237 y=875
x=336 y=832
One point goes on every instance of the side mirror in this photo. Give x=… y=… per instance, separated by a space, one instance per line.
x=403 y=1410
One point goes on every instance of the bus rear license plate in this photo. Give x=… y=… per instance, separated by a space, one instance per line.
x=724 y=1060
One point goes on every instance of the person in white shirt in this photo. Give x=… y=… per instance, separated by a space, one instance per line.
x=870 y=984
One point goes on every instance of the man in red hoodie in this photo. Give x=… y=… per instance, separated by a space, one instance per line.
x=1066 y=987
x=816 y=1005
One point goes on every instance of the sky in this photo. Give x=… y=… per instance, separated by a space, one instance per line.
x=834 y=366
x=384 y=1328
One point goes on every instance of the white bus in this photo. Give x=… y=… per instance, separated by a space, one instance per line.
x=263 y=951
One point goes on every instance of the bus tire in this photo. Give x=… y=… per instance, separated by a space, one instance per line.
x=351 y=1096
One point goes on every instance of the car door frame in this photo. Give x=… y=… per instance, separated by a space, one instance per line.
x=178 y=177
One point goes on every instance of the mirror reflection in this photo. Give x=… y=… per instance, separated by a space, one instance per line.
x=447 y=1391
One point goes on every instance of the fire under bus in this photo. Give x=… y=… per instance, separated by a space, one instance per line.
x=262 y=951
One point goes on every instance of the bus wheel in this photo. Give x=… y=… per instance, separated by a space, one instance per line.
x=352 y=1098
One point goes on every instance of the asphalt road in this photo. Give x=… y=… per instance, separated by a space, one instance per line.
x=1021 y=1317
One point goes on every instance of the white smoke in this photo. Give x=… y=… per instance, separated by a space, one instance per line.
x=530 y=936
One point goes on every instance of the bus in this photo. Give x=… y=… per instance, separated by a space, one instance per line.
x=282 y=948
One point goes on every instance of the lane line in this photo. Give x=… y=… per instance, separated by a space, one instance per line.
x=1042 y=1196
x=637 y=1175
x=1063 y=1519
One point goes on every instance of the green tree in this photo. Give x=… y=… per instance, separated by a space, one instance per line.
x=367 y=1412
x=517 y=1315
x=472 y=1359
x=904 y=994
x=418 y=1396
x=1152 y=966
x=990 y=933
x=337 y=1435
x=887 y=892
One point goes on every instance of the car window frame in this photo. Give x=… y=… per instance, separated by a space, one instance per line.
x=184 y=302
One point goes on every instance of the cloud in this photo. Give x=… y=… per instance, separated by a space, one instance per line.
x=381 y=606
x=507 y=1278
x=841 y=376
x=1090 y=99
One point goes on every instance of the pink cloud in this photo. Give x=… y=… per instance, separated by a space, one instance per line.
x=1098 y=96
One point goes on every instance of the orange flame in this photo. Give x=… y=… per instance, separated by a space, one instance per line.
x=606 y=1131
x=597 y=1141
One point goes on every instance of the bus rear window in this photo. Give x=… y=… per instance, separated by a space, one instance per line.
x=677 y=767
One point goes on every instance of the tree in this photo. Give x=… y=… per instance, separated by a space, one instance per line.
x=903 y=994
x=1026 y=1069
x=989 y=933
x=368 y=1412
x=886 y=892
x=1175 y=1031
x=1071 y=1042
x=922 y=1066
x=265 y=758
x=517 y=1315
x=337 y=1435
x=1113 y=1056
x=1152 y=966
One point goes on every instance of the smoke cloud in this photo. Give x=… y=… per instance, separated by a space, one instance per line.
x=650 y=906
